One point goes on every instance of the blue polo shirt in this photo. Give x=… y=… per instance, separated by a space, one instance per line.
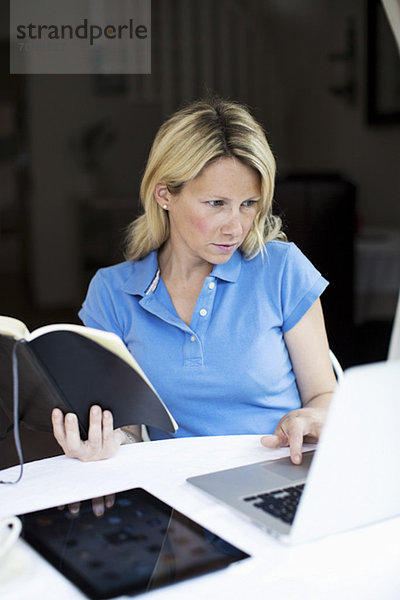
x=229 y=372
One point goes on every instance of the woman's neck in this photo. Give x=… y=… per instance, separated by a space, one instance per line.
x=183 y=279
x=182 y=267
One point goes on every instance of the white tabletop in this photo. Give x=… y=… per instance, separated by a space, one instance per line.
x=362 y=563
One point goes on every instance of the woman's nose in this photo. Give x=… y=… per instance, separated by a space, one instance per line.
x=233 y=226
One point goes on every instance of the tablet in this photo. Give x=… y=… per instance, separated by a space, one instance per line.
x=138 y=544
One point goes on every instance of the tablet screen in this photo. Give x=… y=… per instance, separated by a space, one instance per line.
x=138 y=544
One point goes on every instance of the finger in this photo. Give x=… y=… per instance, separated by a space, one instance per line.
x=74 y=508
x=109 y=500
x=108 y=428
x=276 y=439
x=98 y=506
x=271 y=441
x=296 y=444
x=73 y=440
x=57 y=421
x=95 y=433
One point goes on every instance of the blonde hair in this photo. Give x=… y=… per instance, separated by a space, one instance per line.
x=184 y=145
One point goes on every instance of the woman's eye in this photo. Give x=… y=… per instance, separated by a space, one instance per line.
x=246 y=203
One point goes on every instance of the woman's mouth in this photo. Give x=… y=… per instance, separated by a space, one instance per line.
x=225 y=248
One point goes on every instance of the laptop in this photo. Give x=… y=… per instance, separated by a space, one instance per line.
x=352 y=479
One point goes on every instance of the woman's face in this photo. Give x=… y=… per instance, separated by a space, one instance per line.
x=211 y=216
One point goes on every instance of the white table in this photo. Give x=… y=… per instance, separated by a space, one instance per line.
x=362 y=564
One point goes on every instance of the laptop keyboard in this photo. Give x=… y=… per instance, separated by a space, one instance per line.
x=281 y=504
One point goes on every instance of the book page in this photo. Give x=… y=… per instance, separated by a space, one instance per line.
x=13 y=327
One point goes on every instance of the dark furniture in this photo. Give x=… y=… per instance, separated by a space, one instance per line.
x=318 y=212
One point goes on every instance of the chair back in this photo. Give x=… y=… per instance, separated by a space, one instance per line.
x=337 y=368
x=394 y=345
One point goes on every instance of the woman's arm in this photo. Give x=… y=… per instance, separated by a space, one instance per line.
x=308 y=348
x=103 y=440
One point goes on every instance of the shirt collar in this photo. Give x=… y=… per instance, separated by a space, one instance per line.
x=145 y=272
x=142 y=276
x=230 y=270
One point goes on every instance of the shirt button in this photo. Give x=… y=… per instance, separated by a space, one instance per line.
x=192 y=338
x=211 y=285
x=203 y=312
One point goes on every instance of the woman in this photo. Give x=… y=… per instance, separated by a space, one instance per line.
x=222 y=313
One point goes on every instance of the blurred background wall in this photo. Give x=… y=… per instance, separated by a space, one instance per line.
x=73 y=148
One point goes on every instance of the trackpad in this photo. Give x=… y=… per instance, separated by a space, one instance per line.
x=285 y=468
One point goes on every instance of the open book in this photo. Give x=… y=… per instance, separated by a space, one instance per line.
x=73 y=367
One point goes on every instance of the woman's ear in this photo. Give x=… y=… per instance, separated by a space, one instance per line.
x=162 y=195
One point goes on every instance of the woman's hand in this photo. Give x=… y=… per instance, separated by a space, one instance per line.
x=298 y=426
x=103 y=441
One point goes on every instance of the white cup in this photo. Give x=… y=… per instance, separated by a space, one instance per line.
x=10 y=528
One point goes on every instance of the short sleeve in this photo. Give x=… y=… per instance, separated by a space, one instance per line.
x=98 y=309
x=301 y=285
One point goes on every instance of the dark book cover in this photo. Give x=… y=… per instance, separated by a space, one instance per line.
x=72 y=372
